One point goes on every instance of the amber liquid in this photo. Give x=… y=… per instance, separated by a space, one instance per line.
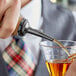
x=57 y=69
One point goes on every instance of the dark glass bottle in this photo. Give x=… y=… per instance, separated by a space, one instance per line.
x=23 y=28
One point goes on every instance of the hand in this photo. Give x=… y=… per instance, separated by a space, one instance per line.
x=25 y=2
x=72 y=70
x=9 y=15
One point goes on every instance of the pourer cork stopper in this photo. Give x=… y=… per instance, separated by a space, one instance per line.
x=17 y=27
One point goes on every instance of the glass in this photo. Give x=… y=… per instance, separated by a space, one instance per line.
x=56 y=59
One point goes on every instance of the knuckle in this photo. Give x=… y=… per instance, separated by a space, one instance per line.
x=4 y=37
x=8 y=30
x=5 y=1
x=1 y=1
x=16 y=2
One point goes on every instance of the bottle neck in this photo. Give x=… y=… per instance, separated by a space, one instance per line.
x=17 y=27
x=23 y=28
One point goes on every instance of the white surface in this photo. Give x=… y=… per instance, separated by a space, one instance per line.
x=32 y=12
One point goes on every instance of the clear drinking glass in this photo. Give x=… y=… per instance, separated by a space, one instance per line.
x=56 y=59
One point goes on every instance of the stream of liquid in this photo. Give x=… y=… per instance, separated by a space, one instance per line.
x=61 y=45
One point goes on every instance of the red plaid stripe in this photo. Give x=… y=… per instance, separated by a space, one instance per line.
x=14 y=56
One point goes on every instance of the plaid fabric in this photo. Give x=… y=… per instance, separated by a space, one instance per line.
x=19 y=60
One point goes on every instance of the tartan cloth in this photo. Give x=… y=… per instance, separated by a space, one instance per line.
x=19 y=59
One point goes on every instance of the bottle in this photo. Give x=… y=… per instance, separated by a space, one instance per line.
x=23 y=28
x=17 y=27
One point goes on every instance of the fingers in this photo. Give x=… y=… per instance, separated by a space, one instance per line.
x=72 y=70
x=24 y=2
x=10 y=19
x=2 y=8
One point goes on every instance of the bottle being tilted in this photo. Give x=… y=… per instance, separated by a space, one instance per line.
x=23 y=28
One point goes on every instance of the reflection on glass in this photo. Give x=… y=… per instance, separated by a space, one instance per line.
x=56 y=59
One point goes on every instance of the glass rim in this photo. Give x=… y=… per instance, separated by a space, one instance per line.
x=68 y=41
x=67 y=60
x=60 y=61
